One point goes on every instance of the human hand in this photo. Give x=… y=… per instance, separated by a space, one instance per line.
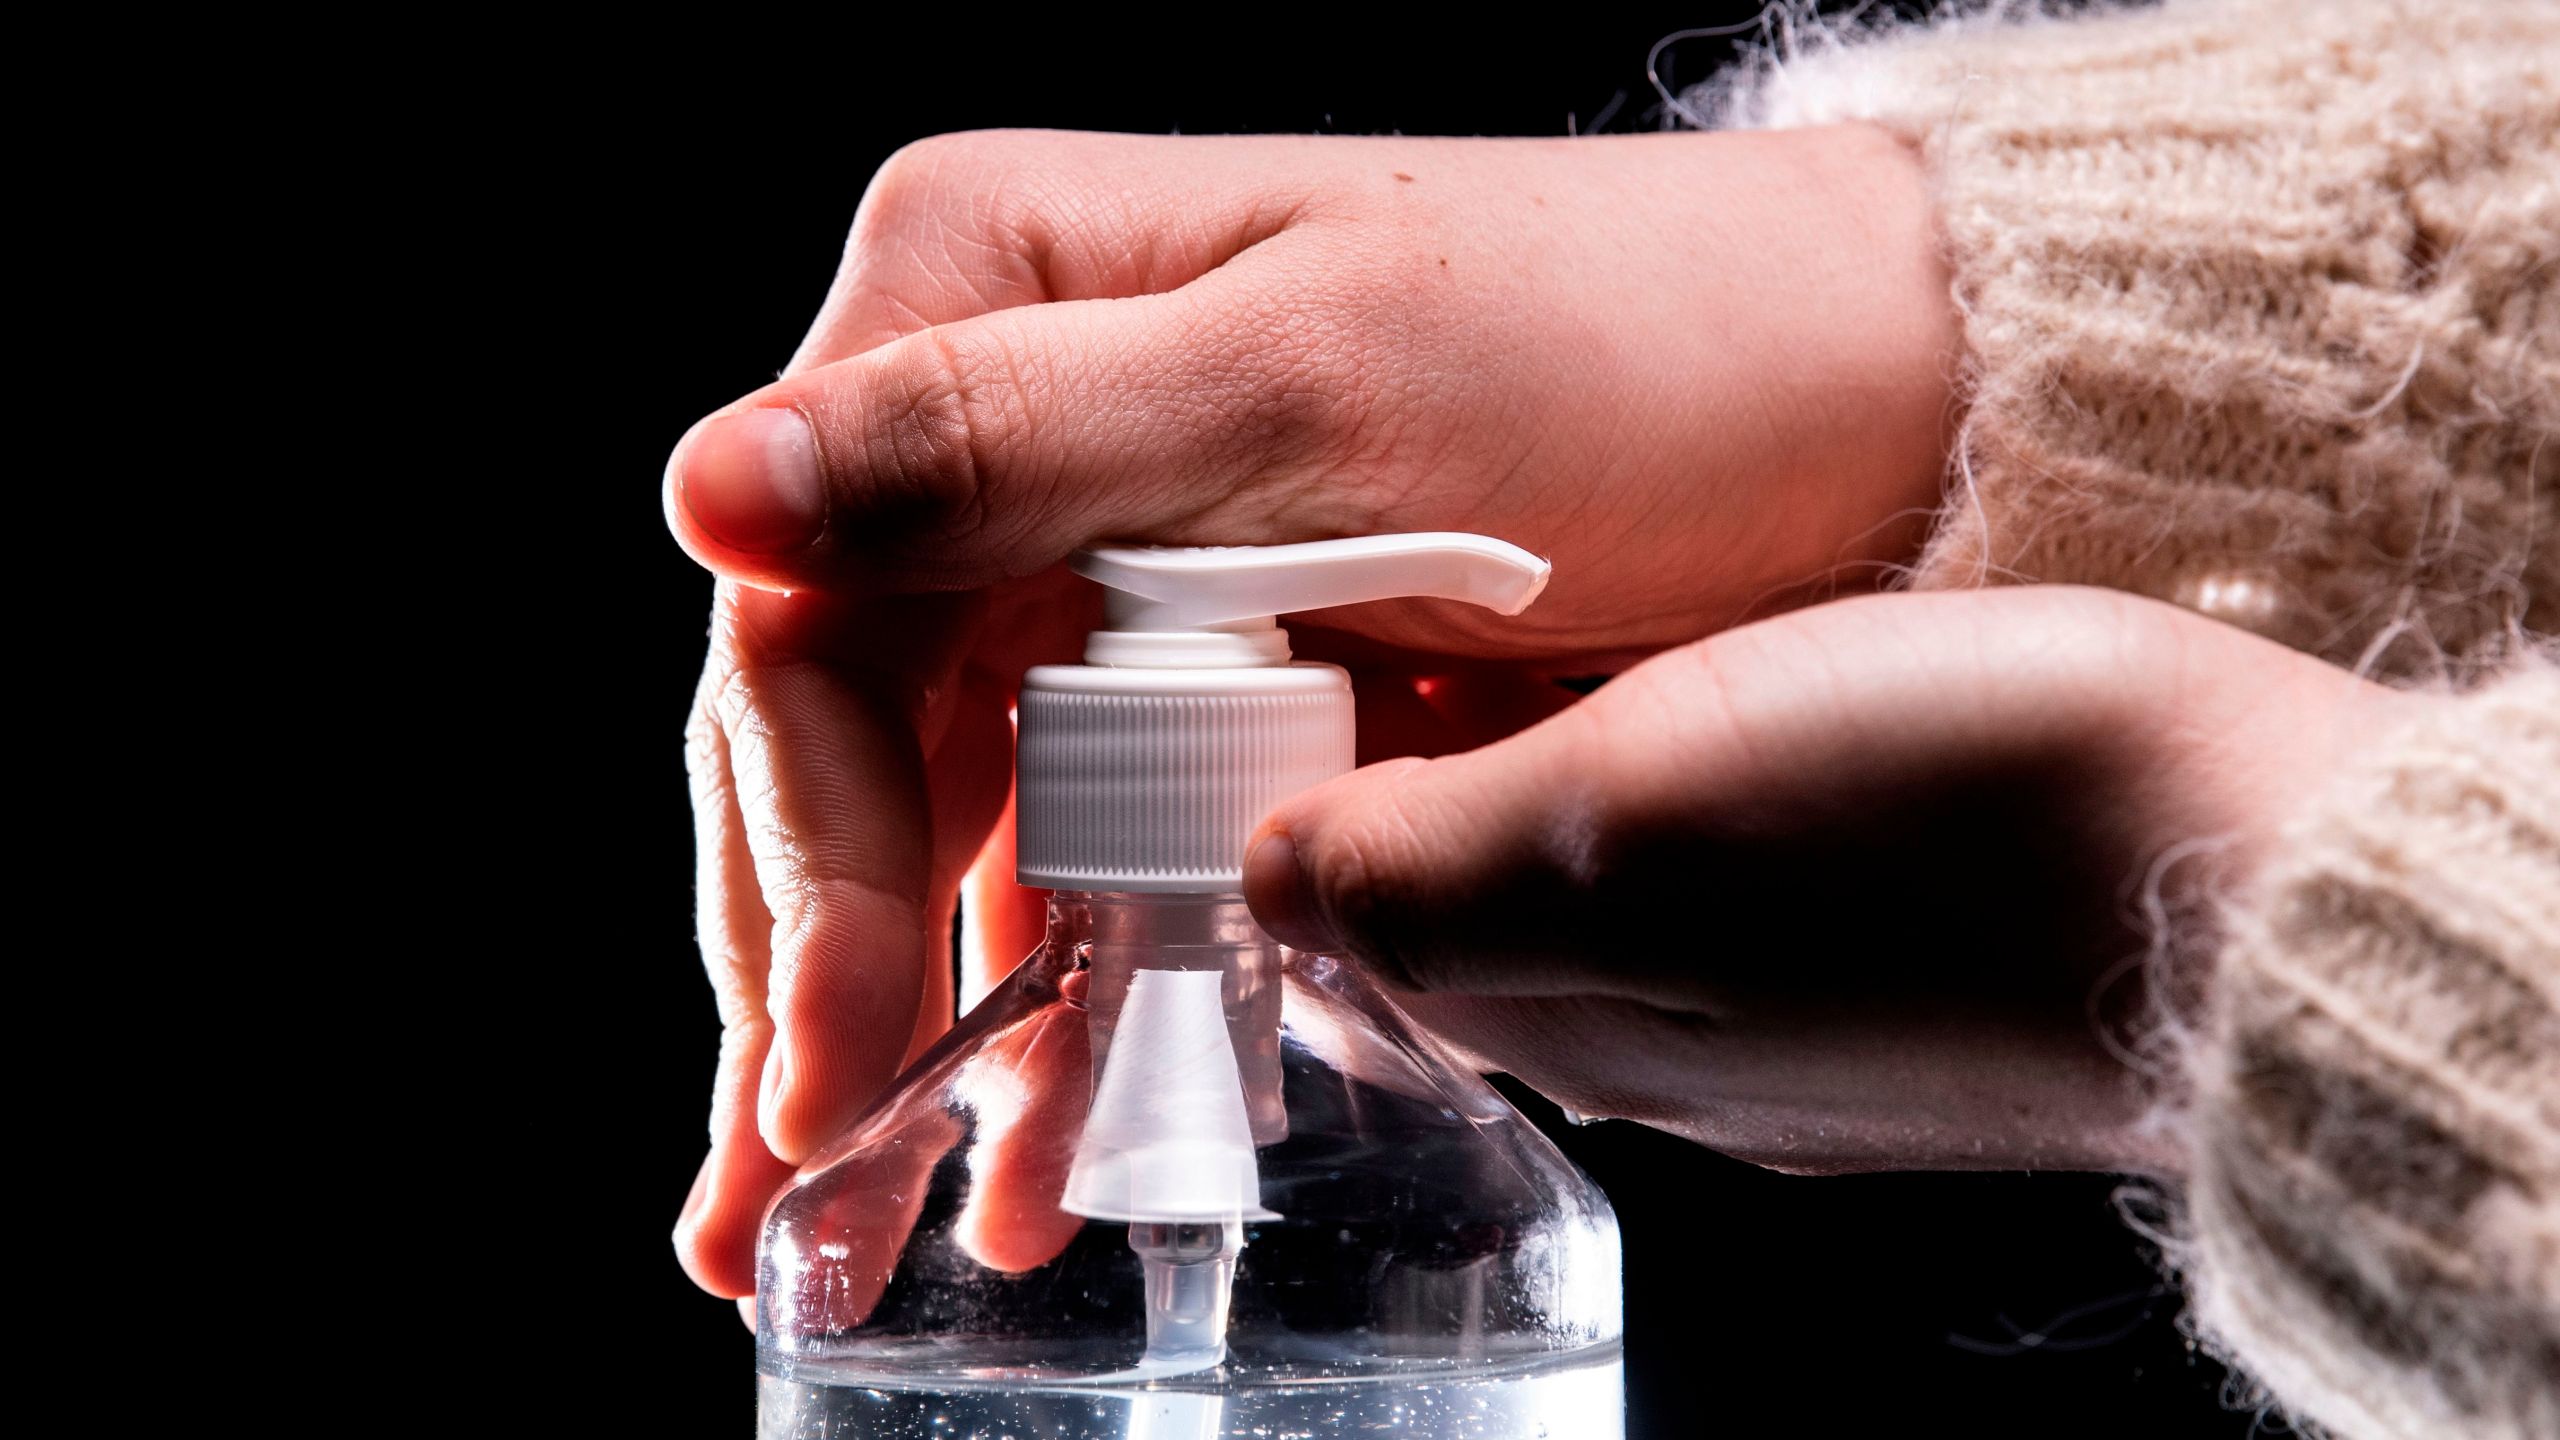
x=1705 y=374
x=1853 y=888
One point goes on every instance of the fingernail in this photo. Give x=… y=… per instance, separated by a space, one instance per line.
x=750 y=481
x=1281 y=900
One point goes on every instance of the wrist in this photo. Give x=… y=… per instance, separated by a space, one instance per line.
x=1882 y=344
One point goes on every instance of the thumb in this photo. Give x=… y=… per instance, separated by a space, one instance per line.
x=989 y=448
x=1488 y=872
x=1773 y=808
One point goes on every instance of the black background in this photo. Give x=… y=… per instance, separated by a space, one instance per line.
x=662 y=228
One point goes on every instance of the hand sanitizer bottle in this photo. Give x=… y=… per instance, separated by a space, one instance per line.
x=1172 y=1180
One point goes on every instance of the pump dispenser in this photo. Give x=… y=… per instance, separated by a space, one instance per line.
x=1145 y=768
x=1322 y=1223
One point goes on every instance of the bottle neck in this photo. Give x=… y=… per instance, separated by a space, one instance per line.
x=1237 y=644
x=1189 y=932
x=1117 y=934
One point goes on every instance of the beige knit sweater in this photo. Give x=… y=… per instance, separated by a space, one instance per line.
x=2262 y=304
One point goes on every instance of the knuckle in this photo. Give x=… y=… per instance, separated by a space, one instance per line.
x=917 y=175
x=707 y=761
x=954 y=415
x=1286 y=390
x=703 y=744
x=745 y=1034
x=1316 y=381
x=1359 y=378
x=939 y=196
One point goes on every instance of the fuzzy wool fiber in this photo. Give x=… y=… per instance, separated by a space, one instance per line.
x=2259 y=313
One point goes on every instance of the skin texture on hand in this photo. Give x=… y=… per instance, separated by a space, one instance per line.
x=1717 y=895
x=1706 y=375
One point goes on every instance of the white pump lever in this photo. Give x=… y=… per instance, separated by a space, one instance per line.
x=1184 y=589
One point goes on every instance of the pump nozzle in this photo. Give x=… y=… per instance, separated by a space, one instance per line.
x=1166 y=1141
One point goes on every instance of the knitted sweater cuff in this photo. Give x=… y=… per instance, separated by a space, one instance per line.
x=2256 y=300
x=2374 y=1205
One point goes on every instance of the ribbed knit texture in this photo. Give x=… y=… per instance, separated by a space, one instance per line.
x=2258 y=301
x=2375 y=1199
x=2260 y=315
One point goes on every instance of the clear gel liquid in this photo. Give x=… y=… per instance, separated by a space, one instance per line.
x=1582 y=1398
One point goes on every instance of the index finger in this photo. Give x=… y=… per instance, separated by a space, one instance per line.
x=827 y=747
x=956 y=226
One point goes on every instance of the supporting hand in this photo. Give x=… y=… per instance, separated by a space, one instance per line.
x=1852 y=888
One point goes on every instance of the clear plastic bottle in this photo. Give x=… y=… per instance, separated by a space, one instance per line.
x=1172 y=1179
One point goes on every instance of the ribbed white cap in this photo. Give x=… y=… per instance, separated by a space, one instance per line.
x=1152 y=780
x=1147 y=767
